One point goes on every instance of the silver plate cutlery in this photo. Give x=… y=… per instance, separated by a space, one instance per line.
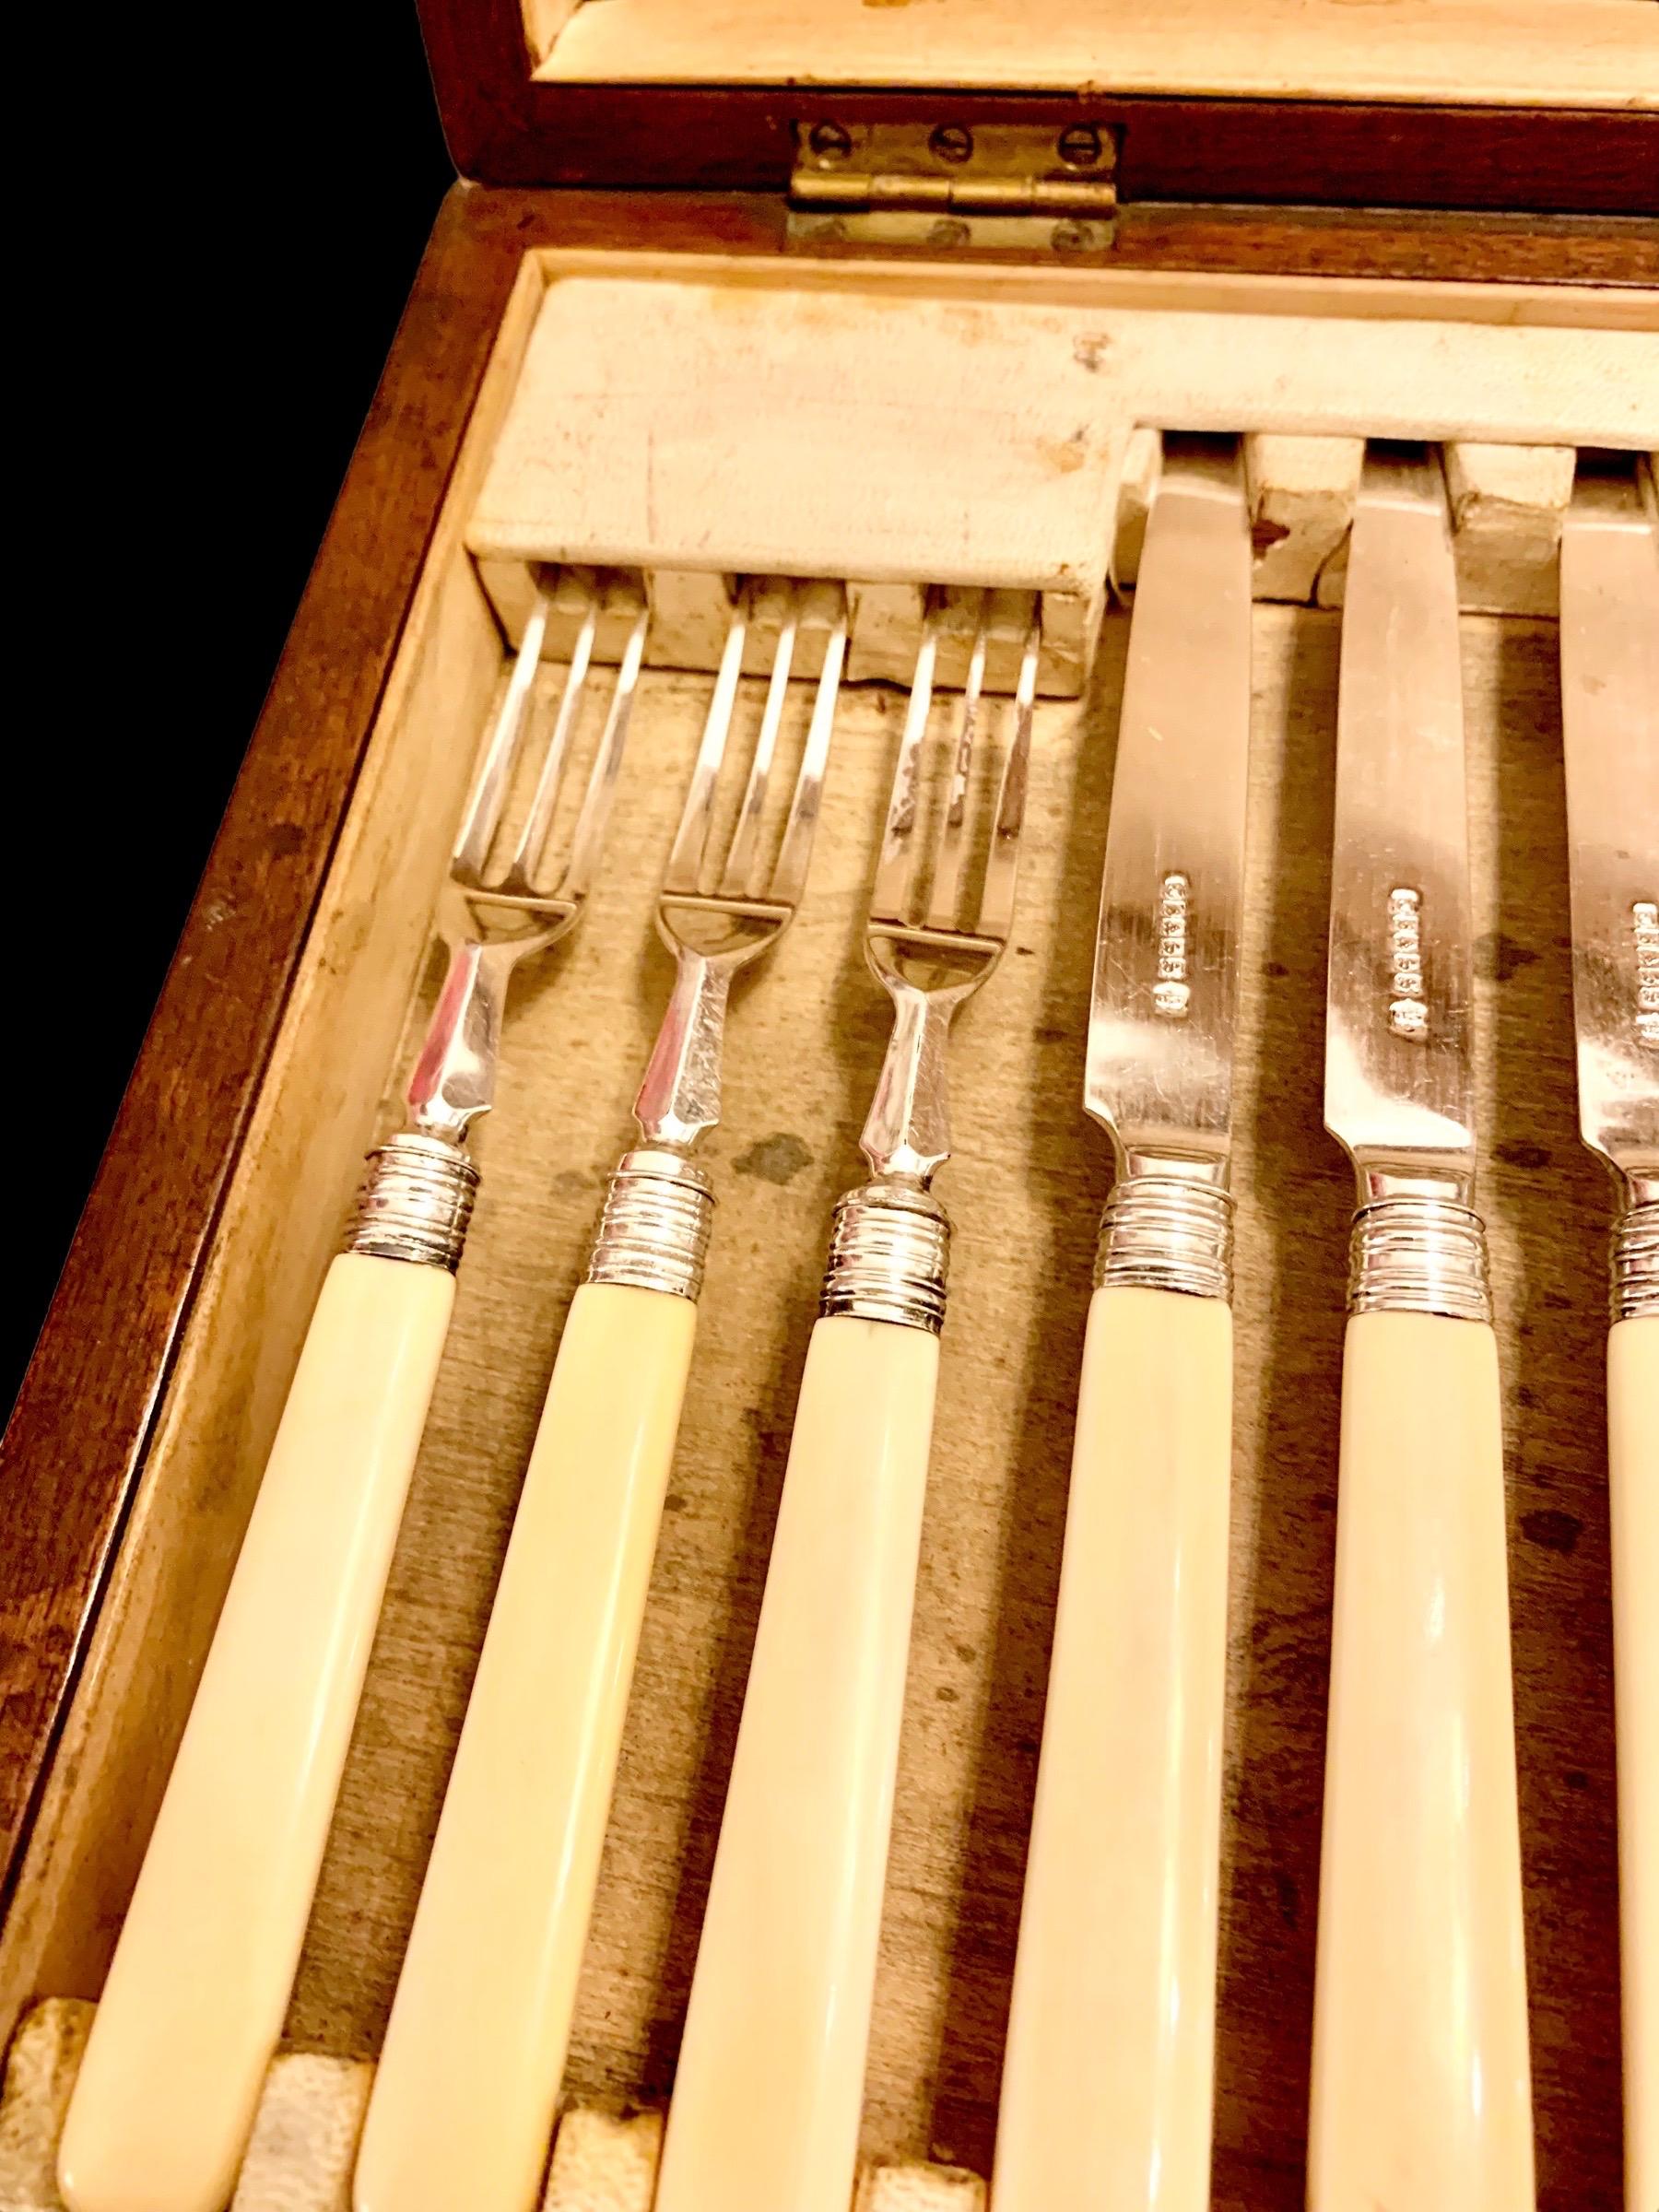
x=1106 y=2077
x=475 y=2049
x=1419 y=2098
x=770 y=2077
x=1422 y=2085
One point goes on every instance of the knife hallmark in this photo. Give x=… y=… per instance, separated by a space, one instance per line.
x=1645 y=915
x=1399 y=1074
x=1164 y=1009
x=1407 y=1008
x=1610 y=753
x=1172 y=995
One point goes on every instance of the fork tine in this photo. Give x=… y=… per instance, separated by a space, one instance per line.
x=894 y=869
x=789 y=877
x=1002 y=862
x=738 y=879
x=683 y=876
x=589 y=839
x=952 y=846
x=489 y=794
x=540 y=817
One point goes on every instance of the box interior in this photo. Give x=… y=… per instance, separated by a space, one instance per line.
x=1024 y=1189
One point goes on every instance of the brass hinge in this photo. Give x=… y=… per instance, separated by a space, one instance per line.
x=952 y=186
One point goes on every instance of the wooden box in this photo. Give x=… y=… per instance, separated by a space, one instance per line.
x=1439 y=220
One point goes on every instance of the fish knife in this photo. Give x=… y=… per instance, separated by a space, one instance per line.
x=1420 y=2094
x=1107 y=2080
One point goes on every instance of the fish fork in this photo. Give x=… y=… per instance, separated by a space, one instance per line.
x=765 y=2111
x=195 y=1999
x=464 y=2095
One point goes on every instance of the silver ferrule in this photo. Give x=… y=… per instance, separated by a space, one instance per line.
x=414 y=1202
x=653 y=1234
x=1167 y=1232
x=1420 y=1253
x=890 y=1250
x=1635 y=1262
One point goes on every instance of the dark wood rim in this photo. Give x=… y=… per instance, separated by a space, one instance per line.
x=1283 y=242
x=504 y=128
x=1274 y=154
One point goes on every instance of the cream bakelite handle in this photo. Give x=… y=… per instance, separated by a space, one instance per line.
x=1108 y=2077
x=195 y=1999
x=766 y=2105
x=1421 y=2093
x=1633 y=1467
x=463 y=2099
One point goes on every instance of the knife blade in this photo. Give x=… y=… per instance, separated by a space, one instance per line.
x=1163 y=1015
x=1399 y=1078
x=1610 y=745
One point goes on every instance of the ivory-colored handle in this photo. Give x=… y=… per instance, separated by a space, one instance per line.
x=1421 y=2092
x=1633 y=1467
x=464 y=2099
x=766 y=2105
x=195 y=1999
x=1109 y=2073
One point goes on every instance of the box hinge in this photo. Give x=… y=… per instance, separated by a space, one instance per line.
x=951 y=186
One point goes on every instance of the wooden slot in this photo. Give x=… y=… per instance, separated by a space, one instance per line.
x=971 y=432
x=1507 y=505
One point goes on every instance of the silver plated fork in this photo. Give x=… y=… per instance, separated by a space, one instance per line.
x=491 y=918
x=717 y=916
x=194 y=1999
x=464 y=2094
x=766 y=2106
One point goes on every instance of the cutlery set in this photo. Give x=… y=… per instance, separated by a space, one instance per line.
x=1420 y=2092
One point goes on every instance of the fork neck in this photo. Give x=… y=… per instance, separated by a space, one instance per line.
x=679 y=1096
x=453 y=1079
x=906 y=1134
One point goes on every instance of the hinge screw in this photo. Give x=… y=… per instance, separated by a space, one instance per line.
x=1080 y=146
x=951 y=142
x=830 y=142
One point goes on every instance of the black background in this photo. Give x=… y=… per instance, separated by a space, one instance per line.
x=225 y=246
